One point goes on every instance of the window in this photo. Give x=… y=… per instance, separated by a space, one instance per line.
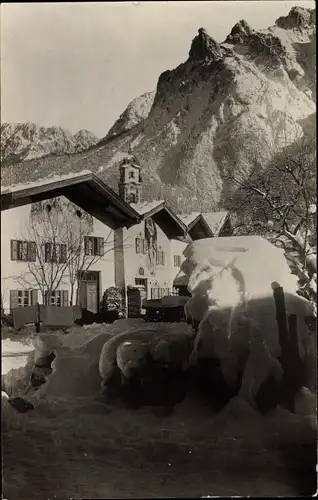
x=141 y=245
x=23 y=250
x=23 y=298
x=94 y=245
x=140 y=282
x=158 y=293
x=55 y=253
x=58 y=298
x=131 y=175
x=177 y=260
x=160 y=260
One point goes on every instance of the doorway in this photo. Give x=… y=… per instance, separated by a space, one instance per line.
x=88 y=287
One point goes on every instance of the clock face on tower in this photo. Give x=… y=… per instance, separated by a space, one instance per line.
x=132 y=198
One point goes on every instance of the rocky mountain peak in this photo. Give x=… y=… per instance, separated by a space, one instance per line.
x=204 y=47
x=227 y=108
x=239 y=32
x=298 y=17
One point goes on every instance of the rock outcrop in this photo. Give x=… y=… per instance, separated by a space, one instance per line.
x=228 y=106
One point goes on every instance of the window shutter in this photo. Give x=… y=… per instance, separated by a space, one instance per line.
x=86 y=238
x=163 y=258
x=64 y=301
x=14 y=250
x=32 y=251
x=138 y=245
x=54 y=250
x=101 y=246
x=63 y=254
x=34 y=297
x=47 y=247
x=14 y=301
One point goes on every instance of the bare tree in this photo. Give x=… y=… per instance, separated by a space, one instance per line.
x=58 y=247
x=280 y=203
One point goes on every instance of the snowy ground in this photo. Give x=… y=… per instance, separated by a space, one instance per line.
x=80 y=447
x=13 y=354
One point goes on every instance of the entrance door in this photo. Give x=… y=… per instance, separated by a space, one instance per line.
x=92 y=296
x=89 y=291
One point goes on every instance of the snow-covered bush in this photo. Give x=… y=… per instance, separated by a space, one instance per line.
x=112 y=301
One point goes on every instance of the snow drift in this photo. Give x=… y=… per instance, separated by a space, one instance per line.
x=75 y=369
x=231 y=280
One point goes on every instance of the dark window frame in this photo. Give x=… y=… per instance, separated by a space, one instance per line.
x=23 y=251
x=94 y=246
x=60 y=298
x=177 y=260
x=160 y=258
x=55 y=253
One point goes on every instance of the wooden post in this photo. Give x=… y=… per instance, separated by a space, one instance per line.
x=293 y=338
x=297 y=366
x=284 y=342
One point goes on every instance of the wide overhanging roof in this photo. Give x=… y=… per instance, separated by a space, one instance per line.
x=84 y=189
x=163 y=216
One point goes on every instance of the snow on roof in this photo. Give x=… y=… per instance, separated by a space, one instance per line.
x=215 y=220
x=235 y=244
x=259 y=262
x=146 y=206
x=188 y=218
x=43 y=181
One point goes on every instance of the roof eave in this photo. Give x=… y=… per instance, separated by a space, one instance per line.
x=176 y=220
x=126 y=215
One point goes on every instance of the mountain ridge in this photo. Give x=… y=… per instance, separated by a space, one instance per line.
x=26 y=141
x=228 y=106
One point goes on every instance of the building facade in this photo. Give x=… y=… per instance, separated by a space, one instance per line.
x=144 y=252
x=40 y=257
x=52 y=250
x=65 y=242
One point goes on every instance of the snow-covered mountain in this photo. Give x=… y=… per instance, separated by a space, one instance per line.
x=25 y=141
x=228 y=106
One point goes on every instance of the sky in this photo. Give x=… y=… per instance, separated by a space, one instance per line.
x=78 y=65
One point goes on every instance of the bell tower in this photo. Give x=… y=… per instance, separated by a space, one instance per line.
x=130 y=183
